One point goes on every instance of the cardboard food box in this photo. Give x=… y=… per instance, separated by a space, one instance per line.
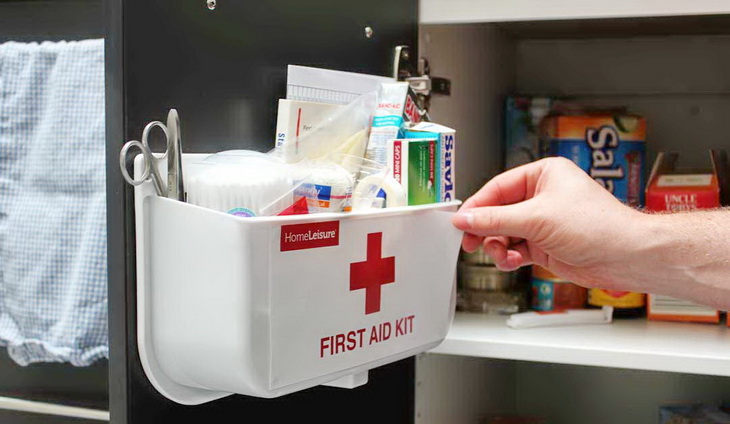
x=722 y=168
x=674 y=189
x=609 y=145
x=694 y=413
x=521 y=133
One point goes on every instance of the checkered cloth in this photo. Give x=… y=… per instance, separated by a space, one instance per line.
x=53 y=263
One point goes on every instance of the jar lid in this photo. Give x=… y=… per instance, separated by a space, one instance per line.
x=486 y=277
x=478 y=257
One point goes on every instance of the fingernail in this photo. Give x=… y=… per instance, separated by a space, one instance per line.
x=463 y=220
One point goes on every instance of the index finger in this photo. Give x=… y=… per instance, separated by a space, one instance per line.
x=512 y=186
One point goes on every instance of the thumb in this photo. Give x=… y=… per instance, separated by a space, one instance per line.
x=516 y=220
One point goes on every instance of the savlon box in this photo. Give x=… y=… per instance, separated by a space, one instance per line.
x=445 y=156
x=610 y=147
x=672 y=189
x=412 y=163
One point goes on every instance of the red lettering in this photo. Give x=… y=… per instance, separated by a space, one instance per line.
x=404 y=325
x=351 y=340
x=339 y=343
x=324 y=344
x=399 y=330
x=385 y=331
x=411 y=110
x=360 y=332
x=397 y=160
x=374 y=335
x=380 y=332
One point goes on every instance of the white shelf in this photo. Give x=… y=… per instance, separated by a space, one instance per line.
x=634 y=344
x=466 y=11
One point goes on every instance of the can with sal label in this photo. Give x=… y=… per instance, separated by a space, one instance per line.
x=609 y=147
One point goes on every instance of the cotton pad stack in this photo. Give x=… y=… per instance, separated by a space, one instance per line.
x=241 y=183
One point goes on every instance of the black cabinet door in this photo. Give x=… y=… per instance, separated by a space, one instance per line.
x=223 y=70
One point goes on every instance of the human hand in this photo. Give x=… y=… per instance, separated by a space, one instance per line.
x=553 y=214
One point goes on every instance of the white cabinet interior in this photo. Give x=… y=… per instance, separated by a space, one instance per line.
x=676 y=72
x=460 y=390
x=465 y=11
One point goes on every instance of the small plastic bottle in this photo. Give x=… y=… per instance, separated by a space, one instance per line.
x=625 y=304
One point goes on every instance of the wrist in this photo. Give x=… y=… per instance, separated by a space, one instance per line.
x=674 y=254
x=647 y=250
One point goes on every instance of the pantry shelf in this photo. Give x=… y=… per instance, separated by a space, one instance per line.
x=471 y=11
x=633 y=344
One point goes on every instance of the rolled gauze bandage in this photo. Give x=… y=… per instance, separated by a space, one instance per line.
x=395 y=194
x=328 y=188
x=366 y=191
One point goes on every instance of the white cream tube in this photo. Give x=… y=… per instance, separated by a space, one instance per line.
x=558 y=318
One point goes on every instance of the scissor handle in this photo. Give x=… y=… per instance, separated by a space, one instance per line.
x=146 y=134
x=150 y=160
x=149 y=168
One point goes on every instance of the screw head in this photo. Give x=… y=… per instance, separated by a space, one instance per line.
x=211 y=4
x=405 y=55
x=368 y=32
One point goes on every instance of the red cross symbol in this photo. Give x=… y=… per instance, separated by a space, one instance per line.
x=373 y=273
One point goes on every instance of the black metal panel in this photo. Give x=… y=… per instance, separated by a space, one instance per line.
x=15 y=417
x=51 y=20
x=224 y=70
x=55 y=383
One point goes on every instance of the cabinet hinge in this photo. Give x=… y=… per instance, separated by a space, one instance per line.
x=417 y=72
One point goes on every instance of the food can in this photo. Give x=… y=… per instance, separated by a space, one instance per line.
x=550 y=292
x=486 y=278
x=477 y=257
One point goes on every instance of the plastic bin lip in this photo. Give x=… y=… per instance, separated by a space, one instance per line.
x=322 y=215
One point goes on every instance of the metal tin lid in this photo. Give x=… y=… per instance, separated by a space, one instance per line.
x=486 y=277
x=478 y=257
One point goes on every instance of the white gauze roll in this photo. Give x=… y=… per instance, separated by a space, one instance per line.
x=328 y=188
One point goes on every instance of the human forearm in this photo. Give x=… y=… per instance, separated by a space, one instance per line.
x=684 y=255
x=551 y=213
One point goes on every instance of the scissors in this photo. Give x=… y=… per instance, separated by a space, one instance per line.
x=173 y=187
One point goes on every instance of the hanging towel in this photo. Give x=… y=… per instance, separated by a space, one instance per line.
x=53 y=263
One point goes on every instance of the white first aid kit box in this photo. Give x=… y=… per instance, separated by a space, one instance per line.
x=267 y=306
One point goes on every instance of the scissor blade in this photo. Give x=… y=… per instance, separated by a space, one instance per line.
x=175 y=189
